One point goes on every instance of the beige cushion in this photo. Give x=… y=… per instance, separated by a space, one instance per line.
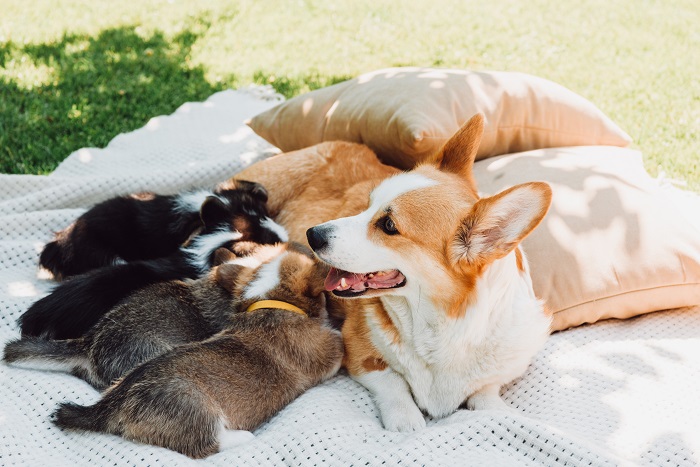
x=406 y=114
x=614 y=244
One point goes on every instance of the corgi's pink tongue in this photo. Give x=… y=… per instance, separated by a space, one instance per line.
x=338 y=279
x=334 y=278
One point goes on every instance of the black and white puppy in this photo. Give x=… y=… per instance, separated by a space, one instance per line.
x=146 y=226
x=237 y=222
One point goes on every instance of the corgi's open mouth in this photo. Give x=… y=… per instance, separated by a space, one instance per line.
x=350 y=284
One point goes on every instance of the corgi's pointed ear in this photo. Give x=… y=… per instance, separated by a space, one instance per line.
x=459 y=152
x=497 y=224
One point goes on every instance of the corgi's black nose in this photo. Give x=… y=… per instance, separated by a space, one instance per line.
x=318 y=237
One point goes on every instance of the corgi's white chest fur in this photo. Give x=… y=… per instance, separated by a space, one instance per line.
x=445 y=360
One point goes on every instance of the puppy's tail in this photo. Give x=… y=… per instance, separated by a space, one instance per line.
x=80 y=417
x=37 y=353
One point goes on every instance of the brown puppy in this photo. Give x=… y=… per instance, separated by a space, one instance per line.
x=203 y=397
x=148 y=323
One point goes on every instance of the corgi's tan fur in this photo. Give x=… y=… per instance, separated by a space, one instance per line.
x=439 y=307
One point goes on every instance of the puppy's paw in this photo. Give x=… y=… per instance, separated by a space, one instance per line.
x=232 y=438
x=402 y=417
x=481 y=401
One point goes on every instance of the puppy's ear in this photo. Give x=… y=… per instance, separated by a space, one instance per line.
x=255 y=189
x=496 y=225
x=459 y=152
x=228 y=275
x=213 y=211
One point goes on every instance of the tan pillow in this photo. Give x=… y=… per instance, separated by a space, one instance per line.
x=406 y=114
x=614 y=244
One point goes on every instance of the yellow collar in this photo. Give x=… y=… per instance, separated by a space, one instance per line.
x=275 y=304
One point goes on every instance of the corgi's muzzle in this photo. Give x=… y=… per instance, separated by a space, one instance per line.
x=348 y=284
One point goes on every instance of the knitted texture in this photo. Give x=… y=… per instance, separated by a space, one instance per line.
x=617 y=392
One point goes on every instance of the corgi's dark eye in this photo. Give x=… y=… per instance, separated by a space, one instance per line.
x=388 y=226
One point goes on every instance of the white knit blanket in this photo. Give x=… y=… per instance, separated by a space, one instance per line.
x=613 y=393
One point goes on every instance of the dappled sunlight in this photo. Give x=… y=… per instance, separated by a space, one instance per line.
x=44 y=274
x=637 y=382
x=145 y=79
x=653 y=390
x=330 y=112
x=249 y=157
x=237 y=136
x=82 y=90
x=153 y=124
x=84 y=155
x=613 y=234
x=569 y=382
x=28 y=73
x=306 y=106
x=575 y=205
x=77 y=46
x=434 y=75
x=21 y=289
x=599 y=238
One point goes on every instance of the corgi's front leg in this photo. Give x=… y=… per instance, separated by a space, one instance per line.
x=393 y=397
x=366 y=365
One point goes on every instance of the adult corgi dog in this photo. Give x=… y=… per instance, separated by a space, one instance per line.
x=438 y=302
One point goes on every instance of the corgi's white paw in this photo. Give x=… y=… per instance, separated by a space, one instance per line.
x=232 y=438
x=402 y=417
x=398 y=410
x=481 y=401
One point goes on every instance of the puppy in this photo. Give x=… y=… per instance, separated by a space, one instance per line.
x=77 y=304
x=204 y=397
x=148 y=323
x=145 y=226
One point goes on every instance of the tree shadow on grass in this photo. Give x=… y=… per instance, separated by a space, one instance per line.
x=98 y=87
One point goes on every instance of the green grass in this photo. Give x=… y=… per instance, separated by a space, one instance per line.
x=76 y=73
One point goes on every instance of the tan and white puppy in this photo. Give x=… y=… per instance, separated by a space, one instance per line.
x=443 y=311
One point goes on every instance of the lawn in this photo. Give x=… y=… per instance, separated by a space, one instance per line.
x=76 y=73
